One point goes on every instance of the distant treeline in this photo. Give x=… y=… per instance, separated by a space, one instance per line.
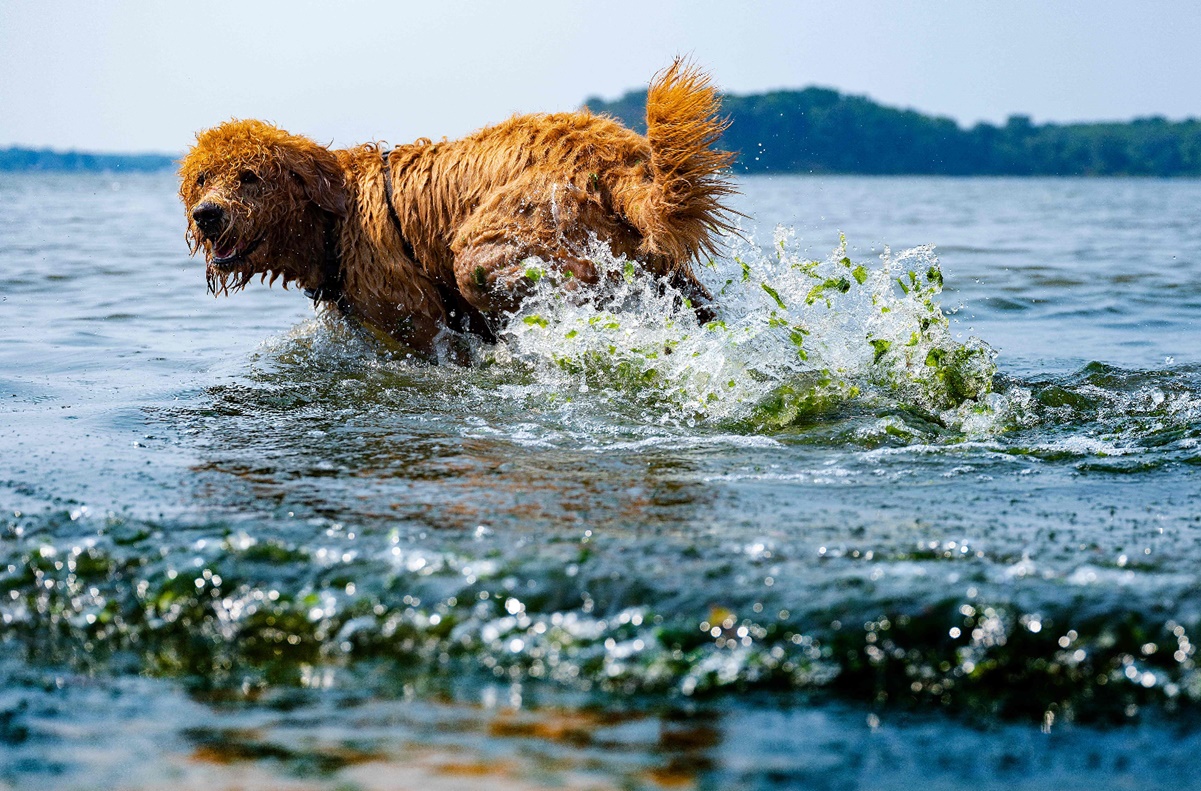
x=47 y=160
x=817 y=130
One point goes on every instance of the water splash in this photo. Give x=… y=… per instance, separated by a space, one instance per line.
x=794 y=337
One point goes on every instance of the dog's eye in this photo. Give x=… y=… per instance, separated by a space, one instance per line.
x=201 y=179
x=246 y=178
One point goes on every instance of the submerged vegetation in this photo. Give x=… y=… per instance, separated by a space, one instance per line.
x=818 y=130
x=237 y=616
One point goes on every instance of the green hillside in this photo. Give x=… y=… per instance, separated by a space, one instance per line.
x=818 y=130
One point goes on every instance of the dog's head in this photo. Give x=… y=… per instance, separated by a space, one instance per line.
x=260 y=201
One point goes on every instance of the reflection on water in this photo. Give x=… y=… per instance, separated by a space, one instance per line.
x=418 y=739
x=244 y=548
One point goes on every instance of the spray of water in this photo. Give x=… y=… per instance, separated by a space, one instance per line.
x=794 y=338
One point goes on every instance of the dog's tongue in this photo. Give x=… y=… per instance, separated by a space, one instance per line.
x=224 y=251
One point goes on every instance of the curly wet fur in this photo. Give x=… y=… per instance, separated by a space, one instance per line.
x=470 y=211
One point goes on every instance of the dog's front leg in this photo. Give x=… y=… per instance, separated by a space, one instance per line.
x=399 y=301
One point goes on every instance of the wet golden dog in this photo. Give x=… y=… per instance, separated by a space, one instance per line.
x=433 y=236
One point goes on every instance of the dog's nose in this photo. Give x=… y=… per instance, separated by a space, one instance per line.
x=210 y=218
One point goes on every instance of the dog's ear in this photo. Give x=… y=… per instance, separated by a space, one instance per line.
x=320 y=175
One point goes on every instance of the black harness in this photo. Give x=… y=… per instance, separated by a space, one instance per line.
x=408 y=248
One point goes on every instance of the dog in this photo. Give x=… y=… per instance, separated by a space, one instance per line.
x=430 y=237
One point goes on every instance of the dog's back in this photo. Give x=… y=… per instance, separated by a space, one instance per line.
x=543 y=185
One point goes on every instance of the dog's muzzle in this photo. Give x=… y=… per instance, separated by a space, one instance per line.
x=210 y=219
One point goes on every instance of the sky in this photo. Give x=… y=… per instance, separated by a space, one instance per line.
x=146 y=76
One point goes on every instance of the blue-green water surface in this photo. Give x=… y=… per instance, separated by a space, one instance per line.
x=860 y=533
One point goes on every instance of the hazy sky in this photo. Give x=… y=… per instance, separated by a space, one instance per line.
x=145 y=76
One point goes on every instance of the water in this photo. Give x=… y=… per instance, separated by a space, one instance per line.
x=855 y=535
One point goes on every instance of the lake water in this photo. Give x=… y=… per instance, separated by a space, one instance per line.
x=858 y=534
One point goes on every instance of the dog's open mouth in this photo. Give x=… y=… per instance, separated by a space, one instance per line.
x=228 y=255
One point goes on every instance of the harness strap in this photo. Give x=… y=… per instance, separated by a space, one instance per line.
x=330 y=289
x=469 y=319
x=408 y=248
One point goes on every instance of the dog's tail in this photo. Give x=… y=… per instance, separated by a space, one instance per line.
x=681 y=209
